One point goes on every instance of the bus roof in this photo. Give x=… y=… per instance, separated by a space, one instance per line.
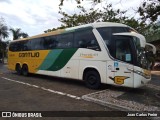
x=94 y=25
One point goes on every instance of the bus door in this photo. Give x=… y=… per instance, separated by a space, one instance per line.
x=123 y=63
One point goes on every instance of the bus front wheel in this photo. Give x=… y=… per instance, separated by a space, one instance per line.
x=92 y=79
x=25 y=70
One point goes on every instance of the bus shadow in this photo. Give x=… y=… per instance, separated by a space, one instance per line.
x=66 y=81
x=80 y=83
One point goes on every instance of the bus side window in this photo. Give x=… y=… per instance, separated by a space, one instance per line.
x=50 y=42
x=12 y=47
x=106 y=33
x=24 y=45
x=118 y=29
x=85 y=39
x=16 y=46
x=65 y=40
x=37 y=44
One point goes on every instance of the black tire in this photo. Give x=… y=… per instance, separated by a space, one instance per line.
x=18 y=69
x=92 y=79
x=25 y=70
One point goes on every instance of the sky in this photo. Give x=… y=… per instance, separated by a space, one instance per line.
x=36 y=16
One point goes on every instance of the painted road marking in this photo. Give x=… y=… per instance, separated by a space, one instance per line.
x=43 y=88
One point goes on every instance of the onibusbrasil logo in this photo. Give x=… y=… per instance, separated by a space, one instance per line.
x=21 y=114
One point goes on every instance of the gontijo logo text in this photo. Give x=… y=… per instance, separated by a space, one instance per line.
x=21 y=114
x=29 y=54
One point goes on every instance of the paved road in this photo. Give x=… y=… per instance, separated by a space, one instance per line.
x=43 y=93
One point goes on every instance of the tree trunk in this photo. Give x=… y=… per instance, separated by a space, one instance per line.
x=3 y=57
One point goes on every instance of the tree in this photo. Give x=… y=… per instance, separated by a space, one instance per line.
x=139 y=26
x=3 y=34
x=79 y=1
x=3 y=48
x=107 y=14
x=84 y=17
x=17 y=33
x=89 y=16
x=149 y=10
x=3 y=30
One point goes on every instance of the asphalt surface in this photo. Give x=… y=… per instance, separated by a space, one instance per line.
x=44 y=93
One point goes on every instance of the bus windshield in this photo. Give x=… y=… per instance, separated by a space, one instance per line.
x=140 y=59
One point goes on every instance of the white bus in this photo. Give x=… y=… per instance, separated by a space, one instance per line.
x=103 y=52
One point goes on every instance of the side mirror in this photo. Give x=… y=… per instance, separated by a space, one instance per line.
x=151 y=48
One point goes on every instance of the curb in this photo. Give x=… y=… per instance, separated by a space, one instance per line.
x=114 y=105
x=90 y=97
x=104 y=103
x=155 y=72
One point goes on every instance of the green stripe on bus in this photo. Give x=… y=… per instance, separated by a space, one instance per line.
x=50 y=59
x=57 y=59
x=63 y=59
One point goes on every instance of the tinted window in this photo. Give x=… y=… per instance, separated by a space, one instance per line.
x=24 y=46
x=11 y=46
x=37 y=44
x=65 y=40
x=118 y=29
x=85 y=39
x=50 y=42
x=15 y=46
x=106 y=33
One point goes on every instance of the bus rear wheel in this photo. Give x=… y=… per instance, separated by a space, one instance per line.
x=92 y=79
x=25 y=70
x=18 y=69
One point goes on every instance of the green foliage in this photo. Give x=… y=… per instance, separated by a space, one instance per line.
x=79 y=19
x=79 y=1
x=17 y=33
x=89 y=16
x=3 y=30
x=150 y=10
x=153 y=33
x=3 y=34
x=3 y=45
x=106 y=14
x=3 y=50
